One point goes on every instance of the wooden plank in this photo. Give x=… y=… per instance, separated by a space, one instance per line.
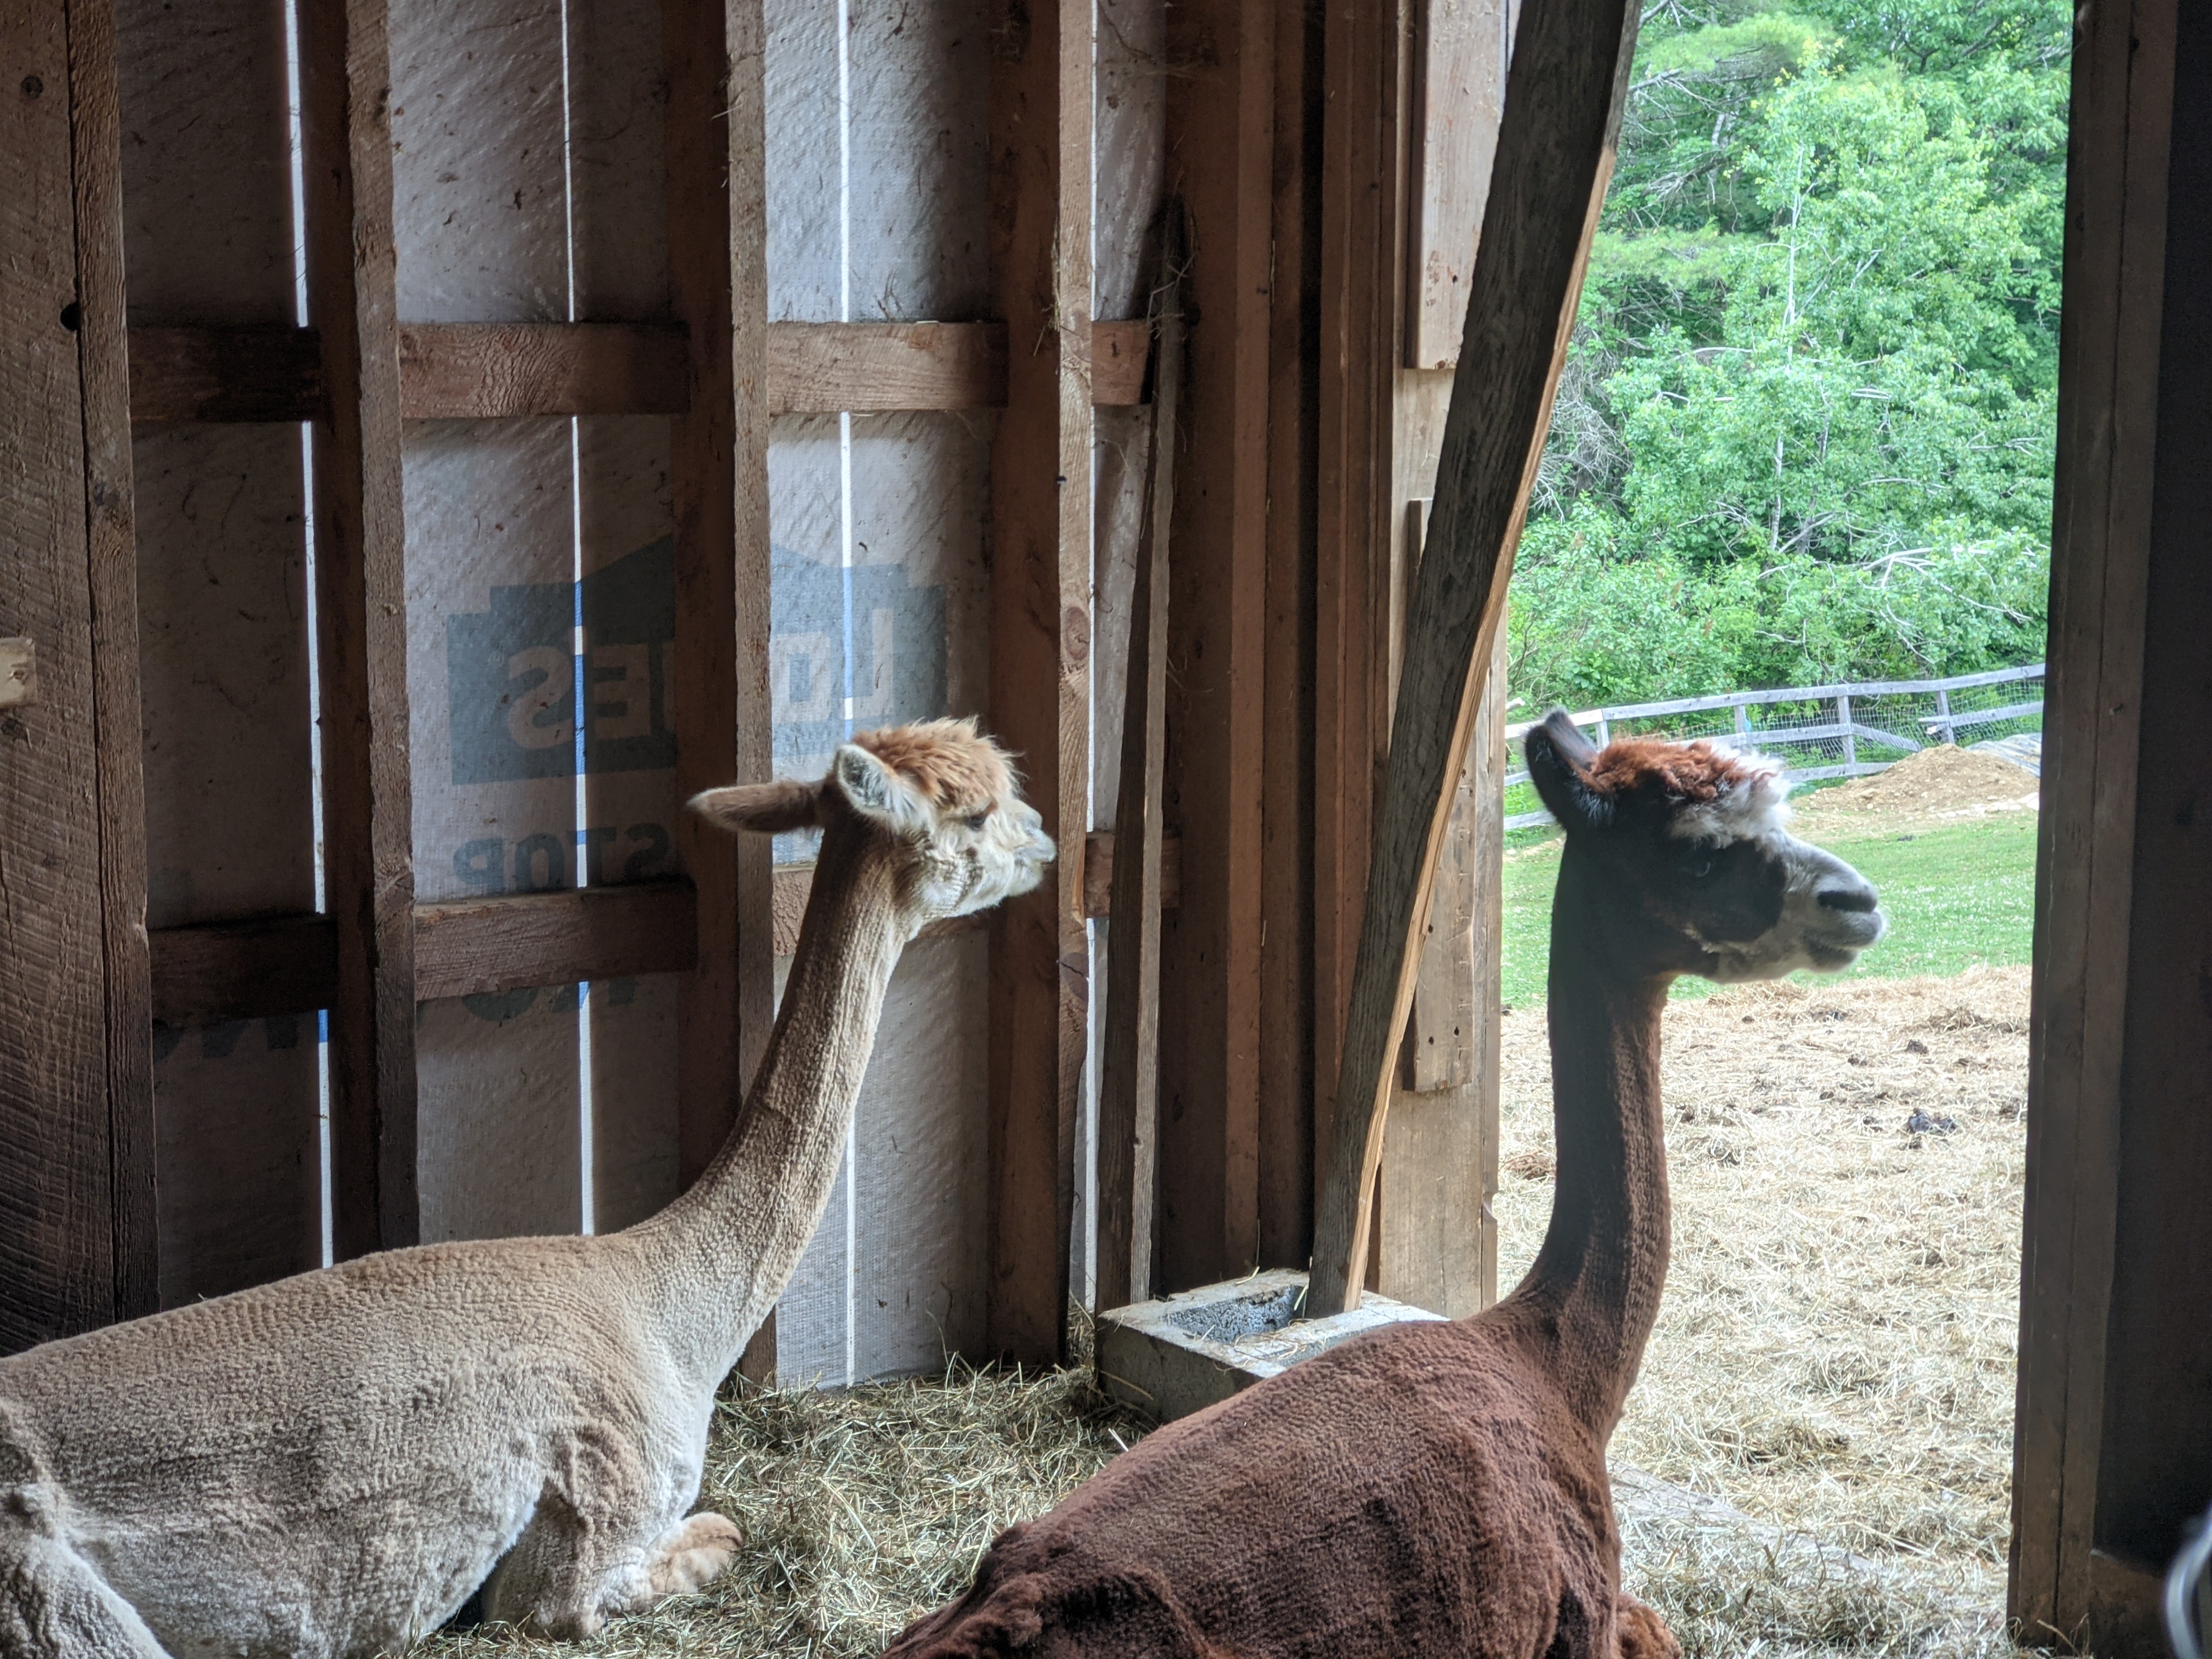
x=345 y=92
x=2115 y=264
x=463 y=948
x=1284 y=1124
x=1569 y=76
x=223 y=650
x=262 y=965
x=1436 y=1236
x=248 y=373
x=492 y=371
x=501 y=371
x=1440 y=1028
x=2154 y=1464
x=104 y=375
x=226 y=970
x=1209 y=1151
x=1358 y=288
x=717 y=251
x=1039 y=672
x=1459 y=78
x=821 y=368
x=56 y=1212
x=1128 y=1086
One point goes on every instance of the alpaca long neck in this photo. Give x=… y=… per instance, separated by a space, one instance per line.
x=723 y=1252
x=1596 y=1282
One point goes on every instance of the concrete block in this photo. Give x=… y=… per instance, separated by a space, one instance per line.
x=1182 y=1353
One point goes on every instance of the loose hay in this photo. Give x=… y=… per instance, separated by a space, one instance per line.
x=862 y=1508
x=1835 y=1355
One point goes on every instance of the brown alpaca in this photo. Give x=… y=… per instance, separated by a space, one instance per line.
x=1436 y=1489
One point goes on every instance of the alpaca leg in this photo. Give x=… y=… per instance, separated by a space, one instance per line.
x=1642 y=1633
x=567 y=1574
x=692 y=1554
x=54 y=1605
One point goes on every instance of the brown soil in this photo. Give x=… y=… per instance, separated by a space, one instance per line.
x=1935 y=783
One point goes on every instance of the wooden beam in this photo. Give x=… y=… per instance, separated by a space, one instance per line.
x=464 y=947
x=265 y=965
x=345 y=74
x=117 y=733
x=75 y=1226
x=2116 y=261
x=503 y=371
x=1287 y=853
x=1129 y=1084
x=1555 y=148
x=718 y=259
x=1039 y=674
x=226 y=374
x=494 y=371
x=1358 y=289
x=1220 y=115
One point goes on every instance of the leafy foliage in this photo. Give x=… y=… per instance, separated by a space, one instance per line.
x=1807 y=424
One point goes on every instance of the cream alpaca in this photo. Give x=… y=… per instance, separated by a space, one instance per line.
x=331 y=1465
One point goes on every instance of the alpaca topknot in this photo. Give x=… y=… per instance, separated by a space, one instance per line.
x=958 y=769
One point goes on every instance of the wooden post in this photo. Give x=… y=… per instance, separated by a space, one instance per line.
x=1851 y=737
x=1284 y=1124
x=2125 y=94
x=1040 y=128
x=345 y=73
x=75 y=1068
x=1945 y=731
x=718 y=265
x=1128 y=1085
x=1555 y=149
x=1359 y=284
x=112 y=563
x=1221 y=120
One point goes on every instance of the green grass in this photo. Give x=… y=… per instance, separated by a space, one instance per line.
x=1956 y=897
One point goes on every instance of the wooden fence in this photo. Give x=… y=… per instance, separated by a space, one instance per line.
x=1822 y=731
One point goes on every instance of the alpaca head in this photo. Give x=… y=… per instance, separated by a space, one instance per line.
x=1687 y=843
x=937 y=796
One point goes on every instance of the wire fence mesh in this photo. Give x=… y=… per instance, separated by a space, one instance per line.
x=1820 y=731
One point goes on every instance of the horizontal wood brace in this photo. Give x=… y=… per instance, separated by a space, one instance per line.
x=501 y=371
x=284 y=964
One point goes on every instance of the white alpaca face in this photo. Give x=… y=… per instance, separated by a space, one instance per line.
x=967 y=862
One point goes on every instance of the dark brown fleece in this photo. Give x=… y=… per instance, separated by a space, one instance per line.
x=1416 y=1490
x=1428 y=1488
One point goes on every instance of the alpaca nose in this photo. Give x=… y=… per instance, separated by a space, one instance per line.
x=1855 y=897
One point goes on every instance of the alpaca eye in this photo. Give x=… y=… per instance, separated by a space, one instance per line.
x=976 y=821
x=1701 y=867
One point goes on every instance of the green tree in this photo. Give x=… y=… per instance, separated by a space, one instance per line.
x=1807 y=423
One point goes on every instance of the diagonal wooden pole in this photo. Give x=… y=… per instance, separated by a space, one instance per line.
x=1555 y=142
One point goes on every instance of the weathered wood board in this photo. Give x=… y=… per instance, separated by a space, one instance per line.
x=222 y=634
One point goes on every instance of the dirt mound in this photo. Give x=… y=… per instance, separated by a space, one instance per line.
x=1937 y=782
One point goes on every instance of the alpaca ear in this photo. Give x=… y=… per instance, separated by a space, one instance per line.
x=764 y=808
x=1560 y=759
x=877 y=792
